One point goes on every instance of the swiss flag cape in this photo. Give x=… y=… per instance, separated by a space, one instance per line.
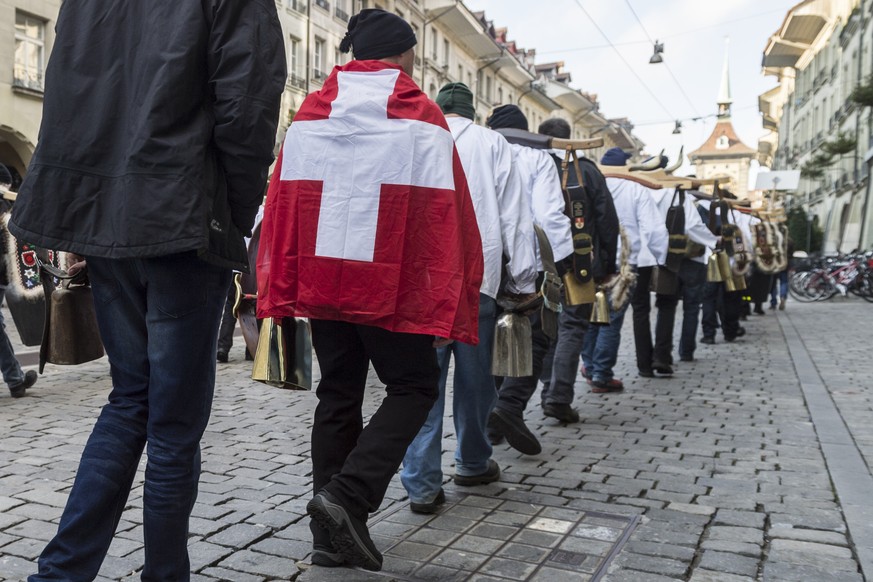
x=368 y=216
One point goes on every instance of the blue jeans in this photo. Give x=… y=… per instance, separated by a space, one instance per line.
x=158 y=318
x=474 y=397
x=600 y=348
x=9 y=365
x=780 y=285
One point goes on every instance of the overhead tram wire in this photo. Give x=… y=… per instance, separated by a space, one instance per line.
x=665 y=37
x=627 y=64
x=665 y=63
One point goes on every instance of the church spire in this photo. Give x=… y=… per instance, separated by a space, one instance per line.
x=724 y=92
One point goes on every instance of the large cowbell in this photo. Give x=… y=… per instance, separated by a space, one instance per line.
x=513 y=350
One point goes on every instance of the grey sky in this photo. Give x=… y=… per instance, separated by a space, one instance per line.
x=693 y=32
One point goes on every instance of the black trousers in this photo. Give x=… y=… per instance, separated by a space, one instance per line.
x=719 y=304
x=692 y=276
x=356 y=463
x=760 y=284
x=641 y=301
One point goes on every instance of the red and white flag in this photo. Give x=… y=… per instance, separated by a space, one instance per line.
x=368 y=217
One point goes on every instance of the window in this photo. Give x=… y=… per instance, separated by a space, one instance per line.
x=722 y=142
x=500 y=94
x=318 y=64
x=446 y=51
x=340 y=11
x=29 y=51
x=434 y=45
x=488 y=89
x=297 y=5
x=294 y=63
x=460 y=73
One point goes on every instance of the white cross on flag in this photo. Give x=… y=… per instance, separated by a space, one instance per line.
x=368 y=218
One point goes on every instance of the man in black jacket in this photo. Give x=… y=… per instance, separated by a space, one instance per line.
x=601 y=224
x=158 y=128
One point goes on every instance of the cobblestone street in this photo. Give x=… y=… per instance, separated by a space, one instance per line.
x=750 y=464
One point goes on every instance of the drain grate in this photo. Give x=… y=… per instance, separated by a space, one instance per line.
x=486 y=539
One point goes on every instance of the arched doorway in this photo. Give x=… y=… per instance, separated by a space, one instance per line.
x=15 y=154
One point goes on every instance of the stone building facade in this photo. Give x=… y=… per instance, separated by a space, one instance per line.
x=454 y=44
x=822 y=51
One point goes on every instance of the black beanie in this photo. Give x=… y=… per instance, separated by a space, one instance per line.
x=5 y=176
x=456 y=98
x=375 y=34
x=507 y=116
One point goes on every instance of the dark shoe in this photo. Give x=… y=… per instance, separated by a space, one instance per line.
x=563 y=412
x=760 y=310
x=348 y=534
x=686 y=358
x=606 y=386
x=730 y=339
x=428 y=508
x=709 y=340
x=20 y=390
x=221 y=356
x=662 y=368
x=647 y=374
x=495 y=437
x=584 y=372
x=782 y=304
x=741 y=331
x=327 y=558
x=491 y=474
x=772 y=307
x=249 y=356
x=516 y=432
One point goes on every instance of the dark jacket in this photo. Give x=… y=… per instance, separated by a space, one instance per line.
x=159 y=125
x=601 y=220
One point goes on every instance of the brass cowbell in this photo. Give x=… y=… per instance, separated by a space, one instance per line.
x=600 y=309
x=713 y=274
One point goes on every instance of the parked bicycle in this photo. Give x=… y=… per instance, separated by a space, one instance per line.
x=819 y=280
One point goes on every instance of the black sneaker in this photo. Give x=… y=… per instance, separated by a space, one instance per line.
x=662 y=368
x=516 y=432
x=221 y=356
x=20 y=390
x=709 y=340
x=348 y=534
x=431 y=507
x=491 y=474
x=495 y=437
x=646 y=374
x=563 y=412
x=327 y=558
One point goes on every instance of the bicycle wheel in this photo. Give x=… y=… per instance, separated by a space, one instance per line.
x=797 y=286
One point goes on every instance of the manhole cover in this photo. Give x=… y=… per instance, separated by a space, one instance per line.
x=486 y=539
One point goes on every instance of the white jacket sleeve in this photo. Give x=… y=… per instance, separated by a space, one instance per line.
x=694 y=227
x=516 y=222
x=653 y=229
x=548 y=205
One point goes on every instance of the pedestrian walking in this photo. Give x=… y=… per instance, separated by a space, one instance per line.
x=15 y=378
x=369 y=231
x=506 y=228
x=158 y=128
x=644 y=226
x=542 y=189
x=599 y=221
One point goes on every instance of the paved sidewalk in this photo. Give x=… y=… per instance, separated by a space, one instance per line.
x=734 y=477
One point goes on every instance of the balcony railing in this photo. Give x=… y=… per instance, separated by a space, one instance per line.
x=298 y=81
x=297 y=6
x=318 y=75
x=341 y=14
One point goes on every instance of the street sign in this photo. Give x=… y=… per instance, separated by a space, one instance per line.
x=782 y=180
